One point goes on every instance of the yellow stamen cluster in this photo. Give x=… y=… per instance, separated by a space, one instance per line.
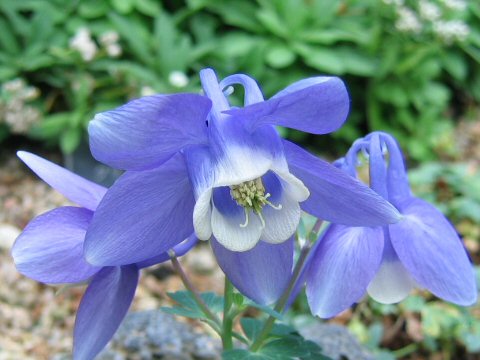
x=251 y=196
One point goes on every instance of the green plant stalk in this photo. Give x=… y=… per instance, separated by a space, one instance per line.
x=227 y=324
x=196 y=296
x=267 y=328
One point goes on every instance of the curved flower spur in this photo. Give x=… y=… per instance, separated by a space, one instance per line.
x=423 y=249
x=190 y=156
x=50 y=250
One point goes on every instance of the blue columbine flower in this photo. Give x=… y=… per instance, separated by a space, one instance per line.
x=194 y=163
x=50 y=250
x=423 y=249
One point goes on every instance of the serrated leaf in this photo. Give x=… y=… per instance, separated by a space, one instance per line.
x=188 y=307
x=251 y=327
x=285 y=348
x=238 y=354
x=180 y=311
x=282 y=330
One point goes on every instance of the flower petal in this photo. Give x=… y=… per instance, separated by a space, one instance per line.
x=179 y=250
x=102 y=309
x=142 y=215
x=334 y=195
x=392 y=283
x=317 y=105
x=239 y=155
x=280 y=224
x=74 y=187
x=50 y=248
x=341 y=268
x=230 y=234
x=429 y=247
x=262 y=273
x=202 y=215
x=146 y=132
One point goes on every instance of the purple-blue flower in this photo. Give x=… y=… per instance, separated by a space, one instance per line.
x=50 y=250
x=421 y=250
x=195 y=164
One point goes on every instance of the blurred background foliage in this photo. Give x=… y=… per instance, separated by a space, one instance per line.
x=412 y=68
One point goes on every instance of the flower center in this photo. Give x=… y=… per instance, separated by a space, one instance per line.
x=251 y=196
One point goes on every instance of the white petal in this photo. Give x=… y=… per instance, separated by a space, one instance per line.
x=293 y=185
x=230 y=234
x=281 y=224
x=391 y=284
x=240 y=164
x=202 y=213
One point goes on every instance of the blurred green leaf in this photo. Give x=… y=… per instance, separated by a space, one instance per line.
x=70 y=139
x=123 y=6
x=136 y=35
x=279 y=56
x=455 y=64
x=322 y=59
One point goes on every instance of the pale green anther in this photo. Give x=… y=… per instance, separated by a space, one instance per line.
x=251 y=196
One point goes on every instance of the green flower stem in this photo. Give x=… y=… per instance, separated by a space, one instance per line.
x=196 y=296
x=227 y=318
x=267 y=328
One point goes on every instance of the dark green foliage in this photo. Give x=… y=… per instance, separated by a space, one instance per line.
x=400 y=81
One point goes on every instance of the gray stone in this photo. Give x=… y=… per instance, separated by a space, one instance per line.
x=156 y=335
x=336 y=341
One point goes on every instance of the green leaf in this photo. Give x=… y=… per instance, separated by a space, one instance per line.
x=285 y=348
x=148 y=7
x=238 y=299
x=270 y=20
x=52 y=125
x=91 y=9
x=266 y=309
x=251 y=327
x=455 y=65
x=357 y=62
x=391 y=92
x=8 y=42
x=322 y=59
x=239 y=354
x=70 y=140
x=237 y=44
x=238 y=14
x=172 y=47
x=375 y=334
x=188 y=307
x=123 y=6
x=136 y=36
x=7 y=73
x=413 y=303
x=282 y=330
x=279 y=56
x=436 y=93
